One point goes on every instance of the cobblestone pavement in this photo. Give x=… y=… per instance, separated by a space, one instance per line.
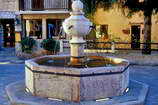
x=148 y=75
x=9 y=73
x=7 y=55
x=13 y=71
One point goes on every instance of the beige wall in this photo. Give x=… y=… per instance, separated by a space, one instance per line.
x=117 y=22
x=155 y=29
x=46 y=16
x=9 y=5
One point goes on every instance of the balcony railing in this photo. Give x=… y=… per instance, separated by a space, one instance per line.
x=44 y=4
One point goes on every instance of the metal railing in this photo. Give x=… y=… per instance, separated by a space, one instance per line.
x=110 y=45
x=56 y=4
x=117 y=45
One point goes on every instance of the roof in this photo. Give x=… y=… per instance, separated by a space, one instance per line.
x=7 y=15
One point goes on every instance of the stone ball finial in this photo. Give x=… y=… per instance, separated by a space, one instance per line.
x=77 y=6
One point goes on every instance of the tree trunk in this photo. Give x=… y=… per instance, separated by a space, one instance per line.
x=147 y=35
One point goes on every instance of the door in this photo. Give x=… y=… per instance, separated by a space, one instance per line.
x=53 y=27
x=135 y=37
x=51 y=24
x=8 y=32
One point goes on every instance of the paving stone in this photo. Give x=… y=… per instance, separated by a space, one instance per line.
x=13 y=72
x=8 y=76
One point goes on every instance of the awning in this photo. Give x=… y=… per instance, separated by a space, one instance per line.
x=7 y=15
x=44 y=12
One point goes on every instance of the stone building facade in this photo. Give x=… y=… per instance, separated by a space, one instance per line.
x=9 y=5
x=43 y=18
x=8 y=8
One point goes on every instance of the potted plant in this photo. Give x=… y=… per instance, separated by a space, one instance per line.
x=27 y=44
x=50 y=46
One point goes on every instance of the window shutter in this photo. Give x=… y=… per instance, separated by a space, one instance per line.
x=37 y=4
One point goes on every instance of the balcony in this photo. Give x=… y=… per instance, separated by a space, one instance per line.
x=39 y=5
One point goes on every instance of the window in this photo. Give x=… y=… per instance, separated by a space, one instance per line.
x=53 y=27
x=34 y=28
x=143 y=31
x=102 y=31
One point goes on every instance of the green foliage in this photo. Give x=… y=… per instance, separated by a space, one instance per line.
x=147 y=6
x=50 y=45
x=91 y=35
x=107 y=4
x=90 y=6
x=27 y=44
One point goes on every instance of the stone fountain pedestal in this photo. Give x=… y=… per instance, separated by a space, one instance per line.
x=77 y=26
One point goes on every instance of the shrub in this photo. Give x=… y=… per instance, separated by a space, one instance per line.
x=27 y=44
x=50 y=45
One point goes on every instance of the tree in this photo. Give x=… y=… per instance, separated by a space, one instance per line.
x=148 y=7
x=90 y=6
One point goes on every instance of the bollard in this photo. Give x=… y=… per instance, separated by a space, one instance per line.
x=113 y=47
x=61 y=46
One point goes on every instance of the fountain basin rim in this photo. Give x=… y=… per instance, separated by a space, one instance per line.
x=77 y=75
x=75 y=72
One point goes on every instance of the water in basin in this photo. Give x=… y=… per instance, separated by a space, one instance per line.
x=89 y=61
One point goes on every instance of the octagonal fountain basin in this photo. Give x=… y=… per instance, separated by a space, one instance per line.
x=98 y=77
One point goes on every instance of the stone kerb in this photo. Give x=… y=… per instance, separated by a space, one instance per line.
x=135 y=96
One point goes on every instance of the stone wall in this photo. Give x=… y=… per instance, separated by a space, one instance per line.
x=118 y=24
x=9 y=5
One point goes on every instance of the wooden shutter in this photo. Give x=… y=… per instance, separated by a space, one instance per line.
x=21 y=4
x=37 y=4
x=69 y=4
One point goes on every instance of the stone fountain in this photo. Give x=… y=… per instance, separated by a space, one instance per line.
x=79 y=79
x=76 y=77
